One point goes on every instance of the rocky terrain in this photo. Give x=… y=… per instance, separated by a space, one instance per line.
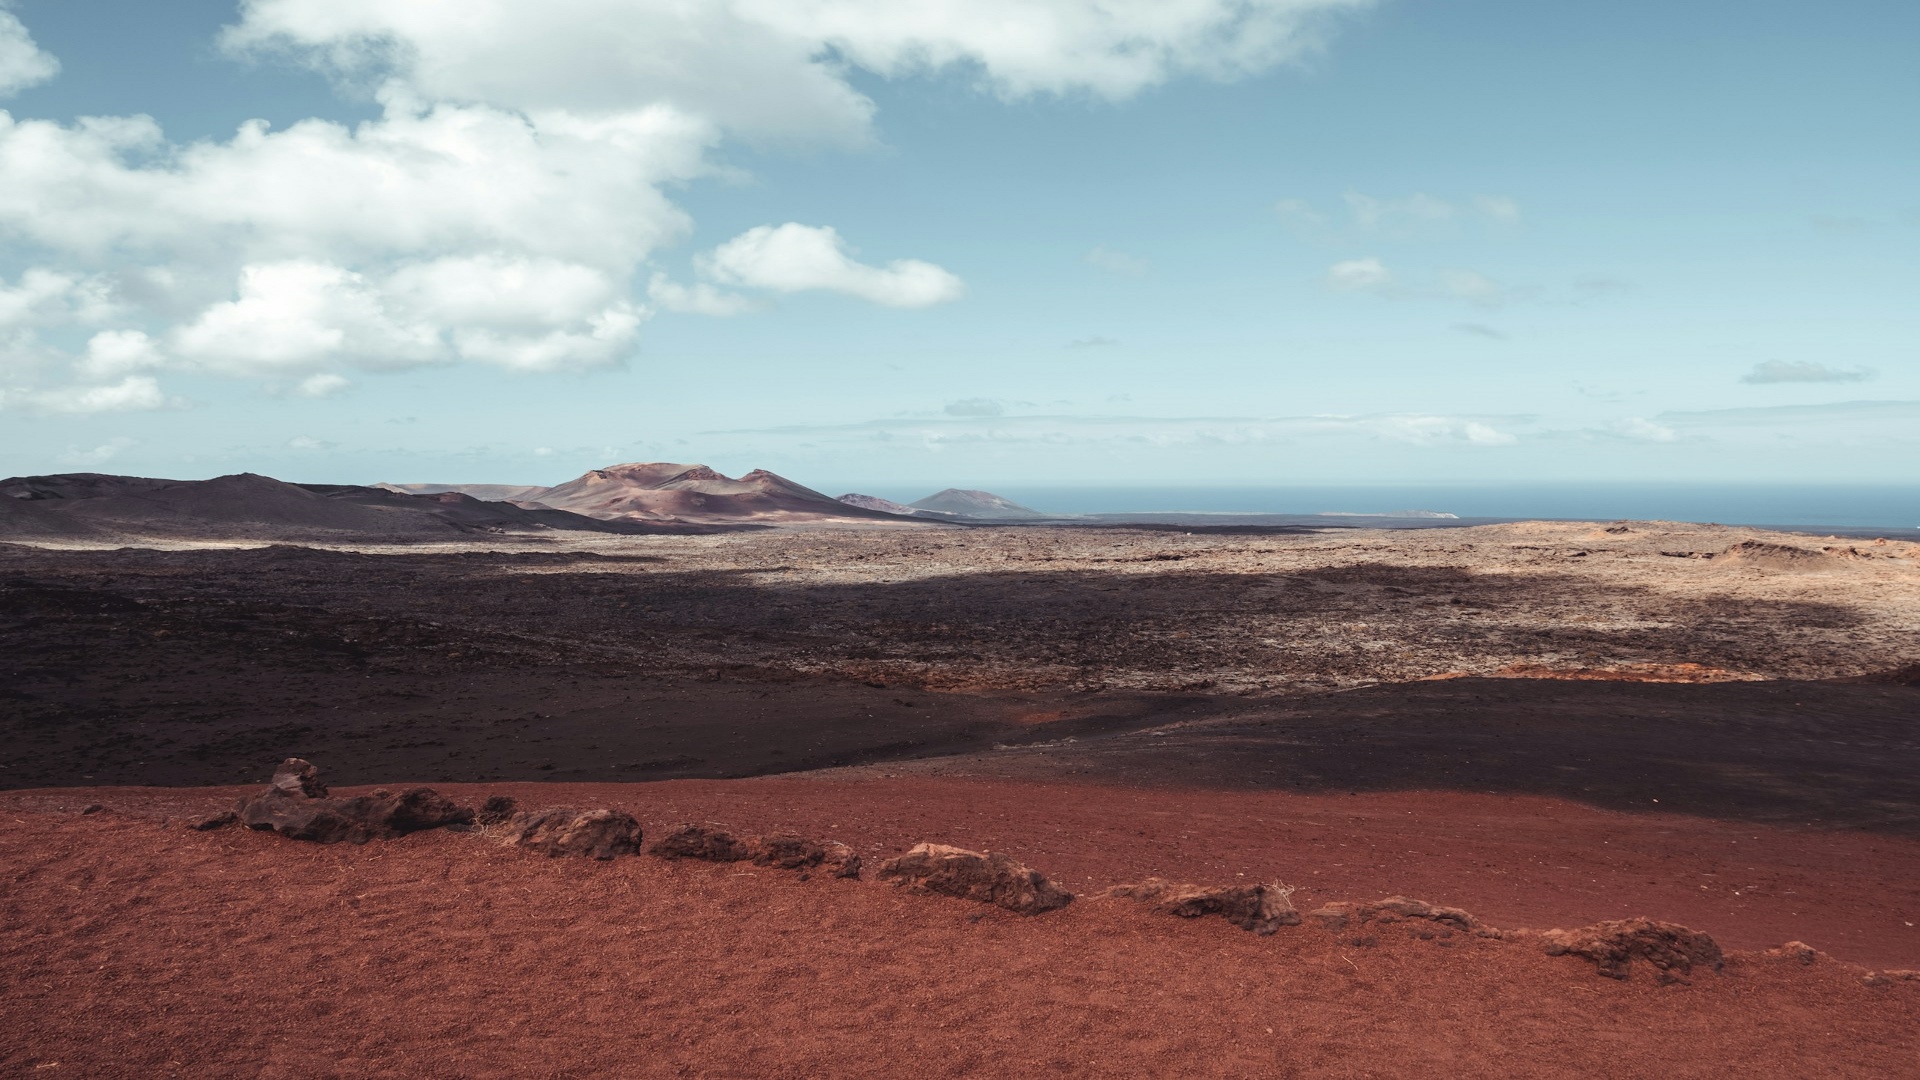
x=1546 y=725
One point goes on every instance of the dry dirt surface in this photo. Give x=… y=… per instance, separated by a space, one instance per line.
x=136 y=948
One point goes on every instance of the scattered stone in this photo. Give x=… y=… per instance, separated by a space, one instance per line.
x=798 y=853
x=1613 y=946
x=989 y=877
x=91 y=808
x=1797 y=951
x=1337 y=916
x=700 y=842
x=1261 y=908
x=296 y=806
x=597 y=834
x=498 y=810
x=215 y=821
x=780 y=851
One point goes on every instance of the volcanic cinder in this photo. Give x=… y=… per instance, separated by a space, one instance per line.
x=1682 y=745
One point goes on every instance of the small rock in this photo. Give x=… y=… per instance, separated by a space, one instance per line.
x=780 y=851
x=1797 y=951
x=989 y=877
x=1260 y=908
x=598 y=834
x=1613 y=946
x=498 y=810
x=92 y=808
x=1395 y=908
x=215 y=821
x=1332 y=916
x=700 y=842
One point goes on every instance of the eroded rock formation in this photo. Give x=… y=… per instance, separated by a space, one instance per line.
x=988 y=877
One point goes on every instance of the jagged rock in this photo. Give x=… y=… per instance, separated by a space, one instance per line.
x=498 y=810
x=1395 y=908
x=296 y=805
x=1797 y=951
x=1613 y=946
x=298 y=776
x=597 y=834
x=700 y=842
x=798 y=853
x=989 y=877
x=781 y=851
x=1261 y=908
x=1337 y=916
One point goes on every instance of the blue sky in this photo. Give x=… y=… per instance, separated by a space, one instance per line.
x=885 y=246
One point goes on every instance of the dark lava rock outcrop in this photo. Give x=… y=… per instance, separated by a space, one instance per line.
x=781 y=851
x=989 y=877
x=1261 y=908
x=498 y=810
x=296 y=805
x=595 y=834
x=1613 y=947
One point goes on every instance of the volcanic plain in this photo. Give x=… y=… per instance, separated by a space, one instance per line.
x=1546 y=724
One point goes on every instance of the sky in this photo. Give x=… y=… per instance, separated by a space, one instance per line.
x=886 y=246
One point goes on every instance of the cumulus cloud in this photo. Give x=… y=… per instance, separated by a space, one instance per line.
x=133 y=393
x=22 y=63
x=325 y=384
x=508 y=202
x=1803 y=371
x=795 y=257
x=699 y=298
x=777 y=67
x=1643 y=430
x=1117 y=262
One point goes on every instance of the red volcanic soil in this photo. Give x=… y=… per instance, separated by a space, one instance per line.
x=133 y=948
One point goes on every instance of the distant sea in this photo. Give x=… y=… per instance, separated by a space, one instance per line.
x=1797 y=506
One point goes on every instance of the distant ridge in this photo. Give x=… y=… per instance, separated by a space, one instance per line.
x=888 y=506
x=250 y=506
x=976 y=504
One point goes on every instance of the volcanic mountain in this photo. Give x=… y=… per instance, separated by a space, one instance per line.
x=976 y=504
x=249 y=506
x=658 y=491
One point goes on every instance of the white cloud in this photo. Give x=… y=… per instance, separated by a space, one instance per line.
x=22 y=63
x=1803 y=371
x=513 y=191
x=1372 y=213
x=1360 y=275
x=298 y=315
x=696 y=299
x=1118 y=262
x=308 y=442
x=99 y=455
x=325 y=384
x=117 y=353
x=135 y=392
x=777 y=67
x=794 y=257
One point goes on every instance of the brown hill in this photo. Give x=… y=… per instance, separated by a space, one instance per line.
x=976 y=504
x=249 y=506
x=657 y=491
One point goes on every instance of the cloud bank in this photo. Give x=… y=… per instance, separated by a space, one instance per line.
x=508 y=205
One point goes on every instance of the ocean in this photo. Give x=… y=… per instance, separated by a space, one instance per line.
x=1847 y=507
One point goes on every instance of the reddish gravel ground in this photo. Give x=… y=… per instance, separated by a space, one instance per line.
x=140 y=950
